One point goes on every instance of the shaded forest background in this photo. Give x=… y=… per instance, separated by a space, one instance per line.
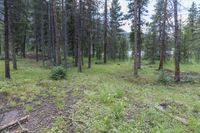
x=66 y=32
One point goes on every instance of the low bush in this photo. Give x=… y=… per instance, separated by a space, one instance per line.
x=164 y=78
x=58 y=73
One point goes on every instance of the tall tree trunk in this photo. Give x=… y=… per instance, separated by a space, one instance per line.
x=53 y=37
x=135 y=66
x=55 y=30
x=64 y=30
x=90 y=51
x=14 y=59
x=163 y=36
x=37 y=48
x=23 y=49
x=154 y=45
x=105 y=31
x=90 y=36
x=49 y=33
x=6 y=24
x=177 y=43
x=42 y=40
x=11 y=41
x=139 y=36
x=80 y=38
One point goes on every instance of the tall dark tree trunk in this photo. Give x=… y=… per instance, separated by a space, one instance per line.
x=6 y=24
x=154 y=45
x=55 y=31
x=79 y=48
x=135 y=66
x=50 y=51
x=14 y=59
x=75 y=54
x=23 y=49
x=90 y=52
x=42 y=40
x=11 y=41
x=93 y=50
x=37 y=48
x=163 y=36
x=90 y=36
x=64 y=30
x=139 y=36
x=105 y=31
x=177 y=43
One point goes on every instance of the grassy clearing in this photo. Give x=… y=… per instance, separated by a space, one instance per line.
x=110 y=99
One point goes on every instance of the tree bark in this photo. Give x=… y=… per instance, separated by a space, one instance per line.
x=105 y=31
x=6 y=24
x=90 y=36
x=135 y=66
x=37 y=48
x=79 y=48
x=139 y=36
x=50 y=52
x=55 y=30
x=177 y=43
x=163 y=36
x=64 y=30
x=23 y=49
x=42 y=40
x=11 y=41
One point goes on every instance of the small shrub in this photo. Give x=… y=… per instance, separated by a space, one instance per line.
x=58 y=73
x=119 y=93
x=28 y=108
x=164 y=78
x=118 y=110
x=188 y=79
x=106 y=97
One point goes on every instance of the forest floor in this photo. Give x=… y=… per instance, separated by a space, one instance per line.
x=106 y=98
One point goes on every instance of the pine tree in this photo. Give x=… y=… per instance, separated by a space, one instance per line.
x=6 y=24
x=105 y=30
x=116 y=16
x=163 y=33
x=177 y=43
x=142 y=4
x=135 y=66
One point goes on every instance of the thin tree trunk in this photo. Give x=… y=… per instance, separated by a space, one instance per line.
x=105 y=31
x=65 y=36
x=163 y=36
x=90 y=37
x=11 y=41
x=154 y=46
x=42 y=40
x=6 y=24
x=14 y=59
x=89 y=52
x=135 y=66
x=80 y=38
x=139 y=38
x=37 y=48
x=49 y=32
x=23 y=51
x=55 y=30
x=53 y=45
x=177 y=43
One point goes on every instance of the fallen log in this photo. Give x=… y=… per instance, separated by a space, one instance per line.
x=14 y=123
x=182 y=120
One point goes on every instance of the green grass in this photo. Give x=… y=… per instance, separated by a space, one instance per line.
x=110 y=98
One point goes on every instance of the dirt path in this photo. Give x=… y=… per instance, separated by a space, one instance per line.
x=42 y=116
